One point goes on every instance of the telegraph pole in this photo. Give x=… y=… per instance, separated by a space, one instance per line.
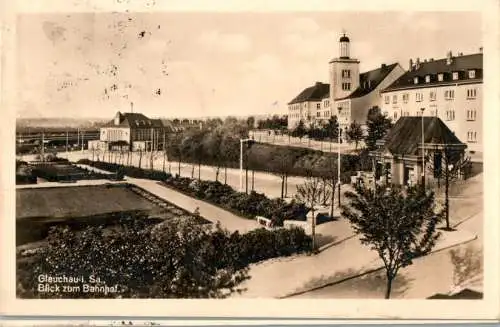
x=43 y=147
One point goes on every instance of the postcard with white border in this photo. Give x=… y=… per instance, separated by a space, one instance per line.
x=263 y=159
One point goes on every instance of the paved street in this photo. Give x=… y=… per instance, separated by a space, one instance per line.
x=326 y=146
x=343 y=256
x=432 y=274
x=267 y=183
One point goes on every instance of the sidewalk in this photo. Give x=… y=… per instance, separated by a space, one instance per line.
x=284 y=276
x=208 y=211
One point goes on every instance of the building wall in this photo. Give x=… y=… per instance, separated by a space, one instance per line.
x=462 y=113
x=336 y=77
x=305 y=110
x=356 y=109
x=112 y=134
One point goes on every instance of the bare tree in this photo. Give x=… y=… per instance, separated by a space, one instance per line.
x=140 y=157
x=310 y=193
x=448 y=165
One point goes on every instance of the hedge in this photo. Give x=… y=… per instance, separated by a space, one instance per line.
x=240 y=203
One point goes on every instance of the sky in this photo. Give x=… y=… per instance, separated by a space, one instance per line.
x=195 y=64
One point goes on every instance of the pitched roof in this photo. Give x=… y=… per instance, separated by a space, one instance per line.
x=369 y=81
x=405 y=137
x=317 y=92
x=460 y=64
x=135 y=120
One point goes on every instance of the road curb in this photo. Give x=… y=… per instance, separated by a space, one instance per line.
x=366 y=272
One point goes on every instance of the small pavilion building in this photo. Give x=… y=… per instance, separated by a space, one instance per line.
x=400 y=154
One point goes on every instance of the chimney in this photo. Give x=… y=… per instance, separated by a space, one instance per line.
x=460 y=54
x=448 y=58
x=117 y=118
x=481 y=50
x=417 y=63
x=410 y=67
x=431 y=60
x=383 y=66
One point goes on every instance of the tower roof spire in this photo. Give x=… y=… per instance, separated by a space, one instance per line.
x=344 y=38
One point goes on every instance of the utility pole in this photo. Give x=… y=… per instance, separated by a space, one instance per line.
x=164 y=152
x=67 y=141
x=83 y=135
x=43 y=147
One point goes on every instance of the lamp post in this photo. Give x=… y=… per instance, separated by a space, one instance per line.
x=423 y=154
x=241 y=162
x=338 y=158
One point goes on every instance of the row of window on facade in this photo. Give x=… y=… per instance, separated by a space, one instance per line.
x=455 y=76
x=114 y=135
x=450 y=114
x=326 y=114
x=419 y=96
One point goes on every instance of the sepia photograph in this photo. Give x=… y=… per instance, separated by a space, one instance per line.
x=285 y=155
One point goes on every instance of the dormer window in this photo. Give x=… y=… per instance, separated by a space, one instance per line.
x=415 y=80
x=455 y=76
x=427 y=78
x=440 y=77
x=472 y=73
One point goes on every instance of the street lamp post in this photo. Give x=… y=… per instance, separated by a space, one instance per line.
x=241 y=162
x=338 y=158
x=423 y=155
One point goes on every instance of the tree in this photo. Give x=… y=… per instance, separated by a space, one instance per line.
x=448 y=164
x=132 y=256
x=251 y=122
x=230 y=151
x=140 y=157
x=282 y=163
x=332 y=128
x=377 y=126
x=300 y=130
x=399 y=225
x=355 y=133
x=310 y=193
x=212 y=145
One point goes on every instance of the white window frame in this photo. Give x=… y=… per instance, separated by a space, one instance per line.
x=472 y=73
x=387 y=99
x=427 y=78
x=440 y=77
x=395 y=98
x=415 y=80
x=455 y=76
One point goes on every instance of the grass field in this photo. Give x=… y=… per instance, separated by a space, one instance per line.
x=82 y=201
x=40 y=209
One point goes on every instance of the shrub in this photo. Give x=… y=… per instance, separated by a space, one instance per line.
x=173 y=259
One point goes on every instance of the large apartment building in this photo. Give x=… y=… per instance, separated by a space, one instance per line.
x=448 y=88
x=349 y=95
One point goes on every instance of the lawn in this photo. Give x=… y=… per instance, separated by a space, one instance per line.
x=82 y=201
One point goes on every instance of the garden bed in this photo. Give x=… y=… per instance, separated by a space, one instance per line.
x=38 y=209
x=216 y=193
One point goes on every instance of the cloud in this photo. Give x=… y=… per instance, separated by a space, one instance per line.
x=321 y=44
x=304 y=25
x=225 y=42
